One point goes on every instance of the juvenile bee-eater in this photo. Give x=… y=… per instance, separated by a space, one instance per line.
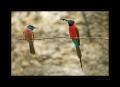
x=74 y=32
x=29 y=36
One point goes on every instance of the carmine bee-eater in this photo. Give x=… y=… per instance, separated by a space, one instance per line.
x=74 y=32
x=29 y=36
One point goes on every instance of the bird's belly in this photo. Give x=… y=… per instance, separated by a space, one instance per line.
x=28 y=36
x=73 y=35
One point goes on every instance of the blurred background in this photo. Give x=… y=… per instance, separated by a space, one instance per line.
x=57 y=57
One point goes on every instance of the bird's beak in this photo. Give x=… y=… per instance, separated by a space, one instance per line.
x=36 y=28
x=63 y=19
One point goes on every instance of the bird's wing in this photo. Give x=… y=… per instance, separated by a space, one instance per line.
x=78 y=34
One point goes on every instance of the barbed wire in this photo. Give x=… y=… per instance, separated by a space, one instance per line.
x=63 y=37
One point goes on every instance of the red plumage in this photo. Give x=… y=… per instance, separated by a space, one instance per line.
x=29 y=36
x=73 y=31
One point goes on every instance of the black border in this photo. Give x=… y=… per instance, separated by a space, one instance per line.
x=81 y=77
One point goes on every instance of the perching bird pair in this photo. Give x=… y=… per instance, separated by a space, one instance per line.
x=73 y=31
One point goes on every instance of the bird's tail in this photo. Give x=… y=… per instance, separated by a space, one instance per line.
x=79 y=55
x=31 y=45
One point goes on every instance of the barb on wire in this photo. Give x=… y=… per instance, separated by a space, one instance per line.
x=63 y=37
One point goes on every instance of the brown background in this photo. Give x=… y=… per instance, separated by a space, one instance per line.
x=58 y=56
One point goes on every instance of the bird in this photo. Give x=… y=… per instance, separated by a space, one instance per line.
x=29 y=36
x=74 y=35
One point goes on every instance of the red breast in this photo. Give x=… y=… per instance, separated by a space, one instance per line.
x=28 y=34
x=72 y=31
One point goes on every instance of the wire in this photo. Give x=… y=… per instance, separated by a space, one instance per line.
x=62 y=37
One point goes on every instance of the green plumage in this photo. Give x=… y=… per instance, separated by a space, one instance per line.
x=77 y=44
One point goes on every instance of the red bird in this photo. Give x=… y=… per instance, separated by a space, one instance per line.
x=29 y=36
x=73 y=31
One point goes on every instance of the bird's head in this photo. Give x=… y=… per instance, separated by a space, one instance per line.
x=31 y=27
x=70 y=22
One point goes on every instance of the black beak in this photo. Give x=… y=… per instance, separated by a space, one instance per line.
x=63 y=19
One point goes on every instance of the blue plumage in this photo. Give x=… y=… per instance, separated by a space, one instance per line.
x=31 y=27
